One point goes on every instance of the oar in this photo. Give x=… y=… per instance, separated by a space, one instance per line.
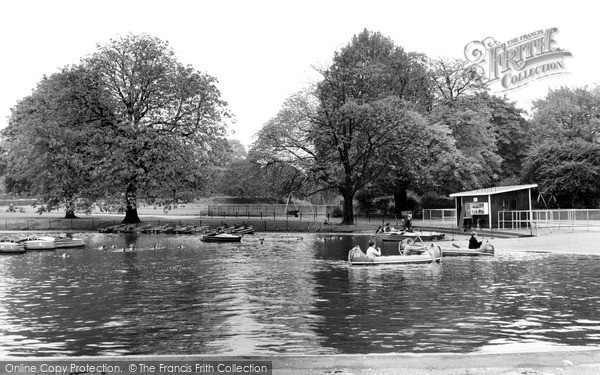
x=420 y=239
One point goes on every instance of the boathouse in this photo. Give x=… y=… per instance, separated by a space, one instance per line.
x=479 y=208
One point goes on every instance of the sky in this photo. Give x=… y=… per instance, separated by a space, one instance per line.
x=261 y=52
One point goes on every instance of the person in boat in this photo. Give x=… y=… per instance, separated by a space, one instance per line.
x=408 y=223
x=373 y=251
x=408 y=247
x=473 y=243
x=379 y=229
x=387 y=228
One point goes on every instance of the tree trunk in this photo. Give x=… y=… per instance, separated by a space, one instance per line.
x=131 y=214
x=348 y=214
x=70 y=214
x=70 y=210
x=400 y=201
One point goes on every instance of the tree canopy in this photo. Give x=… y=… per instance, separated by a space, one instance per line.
x=342 y=134
x=568 y=170
x=142 y=123
x=565 y=158
x=386 y=119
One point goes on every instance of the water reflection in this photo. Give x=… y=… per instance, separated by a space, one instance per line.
x=286 y=294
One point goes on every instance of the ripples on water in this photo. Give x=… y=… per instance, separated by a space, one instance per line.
x=291 y=294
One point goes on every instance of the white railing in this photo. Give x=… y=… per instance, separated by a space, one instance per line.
x=549 y=220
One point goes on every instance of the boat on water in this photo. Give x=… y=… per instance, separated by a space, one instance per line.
x=8 y=246
x=67 y=242
x=38 y=243
x=357 y=257
x=221 y=237
x=396 y=236
x=243 y=230
x=485 y=250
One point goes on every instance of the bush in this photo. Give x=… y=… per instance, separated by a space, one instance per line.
x=337 y=211
x=436 y=201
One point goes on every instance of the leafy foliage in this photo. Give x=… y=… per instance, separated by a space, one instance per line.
x=565 y=162
x=470 y=123
x=47 y=148
x=568 y=114
x=568 y=170
x=452 y=78
x=130 y=111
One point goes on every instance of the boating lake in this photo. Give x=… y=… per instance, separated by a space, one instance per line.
x=291 y=294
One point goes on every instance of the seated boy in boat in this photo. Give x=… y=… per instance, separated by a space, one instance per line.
x=372 y=251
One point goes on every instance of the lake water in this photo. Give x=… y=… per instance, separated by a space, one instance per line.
x=292 y=294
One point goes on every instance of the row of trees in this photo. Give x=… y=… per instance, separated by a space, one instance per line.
x=130 y=121
x=383 y=121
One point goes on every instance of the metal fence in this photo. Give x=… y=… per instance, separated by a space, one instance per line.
x=548 y=220
x=441 y=216
x=269 y=210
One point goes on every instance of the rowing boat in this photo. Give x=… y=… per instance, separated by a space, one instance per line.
x=38 y=243
x=485 y=250
x=221 y=237
x=8 y=246
x=67 y=242
x=357 y=257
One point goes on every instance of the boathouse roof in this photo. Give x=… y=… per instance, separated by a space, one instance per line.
x=493 y=190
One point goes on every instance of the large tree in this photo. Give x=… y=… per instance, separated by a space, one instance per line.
x=513 y=135
x=568 y=170
x=470 y=120
x=152 y=125
x=567 y=114
x=48 y=148
x=425 y=160
x=565 y=161
x=169 y=119
x=341 y=134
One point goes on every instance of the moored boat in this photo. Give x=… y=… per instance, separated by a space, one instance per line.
x=8 y=246
x=66 y=242
x=357 y=257
x=221 y=237
x=243 y=230
x=38 y=243
x=485 y=250
x=424 y=236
